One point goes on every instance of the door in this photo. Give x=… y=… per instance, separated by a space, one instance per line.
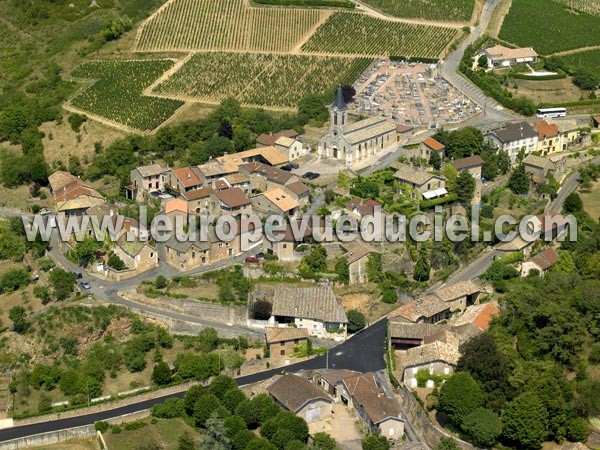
x=313 y=415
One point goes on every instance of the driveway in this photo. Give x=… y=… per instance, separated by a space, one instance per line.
x=342 y=426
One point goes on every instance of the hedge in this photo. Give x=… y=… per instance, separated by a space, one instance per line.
x=428 y=204
x=567 y=104
x=414 y=59
x=330 y=3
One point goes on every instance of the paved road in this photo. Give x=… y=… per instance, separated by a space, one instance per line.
x=363 y=352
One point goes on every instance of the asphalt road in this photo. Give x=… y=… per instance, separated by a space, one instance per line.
x=362 y=352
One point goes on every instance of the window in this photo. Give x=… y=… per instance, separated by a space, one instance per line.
x=282 y=343
x=151 y=254
x=284 y=245
x=296 y=341
x=193 y=254
x=282 y=352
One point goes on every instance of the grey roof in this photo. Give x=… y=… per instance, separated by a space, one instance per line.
x=414 y=175
x=336 y=376
x=317 y=303
x=408 y=330
x=537 y=161
x=185 y=245
x=294 y=392
x=516 y=132
x=150 y=170
x=339 y=99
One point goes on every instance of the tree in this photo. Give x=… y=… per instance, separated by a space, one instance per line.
x=233 y=425
x=86 y=250
x=525 y=421
x=483 y=426
x=435 y=160
x=459 y=396
x=204 y=408
x=282 y=437
x=503 y=162
x=161 y=374
x=232 y=398
x=241 y=439
x=62 y=283
x=186 y=442
x=356 y=320
x=316 y=260
x=116 y=263
x=374 y=267
x=447 y=443
x=578 y=429
x=260 y=444
x=323 y=441
x=220 y=385
x=161 y=282
x=311 y=108
x=519 y=181
x=465 y=186
x=482 y=62
x=348 y=92
x=17 y=315
x=285 y=420
x=169 y=409
x=573 y=203
x=375 y=442
x=342 y=270
x=261 y=310
x=215 y=435
x=225 y=129
x=586 y=80
x=192 y=395
x=422 y=268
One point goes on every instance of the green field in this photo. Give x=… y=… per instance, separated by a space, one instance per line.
x=117 y=93
x=446 y=10
x=355 y=33
x=267 y=80
x=588 y=6
x=589 y=59
x=549 y=26
x=225 y=25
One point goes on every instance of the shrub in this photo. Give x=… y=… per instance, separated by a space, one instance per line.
x=101 y=426
x=161 y=282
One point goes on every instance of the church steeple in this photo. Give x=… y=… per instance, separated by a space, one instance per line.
x=339 y=103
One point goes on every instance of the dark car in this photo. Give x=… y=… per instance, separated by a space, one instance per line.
x=252 y=260
x=294 y=165
x=287 y=168
x=260 y=255
x=155 y=193
x=309 y=175
x=78 y=274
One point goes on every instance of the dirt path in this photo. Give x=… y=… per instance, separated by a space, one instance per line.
x=148 y=91
x=576 y=50
x=379 y=15
x=309 y=33
x=498 y=16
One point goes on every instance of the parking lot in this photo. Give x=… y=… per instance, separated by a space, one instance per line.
x=411 y=94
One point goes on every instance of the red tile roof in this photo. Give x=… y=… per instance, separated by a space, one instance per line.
x=433 y=144
x=186 y=176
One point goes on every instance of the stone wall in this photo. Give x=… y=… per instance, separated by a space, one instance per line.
x=49 y=438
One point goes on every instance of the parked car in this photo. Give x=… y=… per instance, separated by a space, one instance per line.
x=78 y=274
x=294 y=165
x=252 y=260
x=311 y=175
x=287 y=168
x=44 y=212
x=85 y=285
x=155 y=193
x=260 y=255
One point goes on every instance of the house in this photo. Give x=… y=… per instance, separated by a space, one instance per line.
x=300 y=192
x=183 y=180
x=276 y=201
x=478 y=315
x=549 y=138
x=352 y=143
x=361 y=208
x=429 y=146
x=330 y=380
x=301 y=397
x=404 y=335
x=518 y=244
x=145 y=179
x=472 y=164
x=314 y=308
x=459 y=295
x=357 y=257
x=176 y=209
x=291 y=146
x=596 y=121
x=265 y=177
x=403 y=130
x=216 y=169
x=379 y=413
x=199 y=201
x=284 y=248
x=437 y=357
x=514 y=138
x=238 y=180
x=270 y=155
x=231 y=201
x=268 y=140
x=136 y=254
x=539 y=167
x=71 y=195
x=571 y=132
x=501 y=56
x=282 y=341
x=425 y=184
x=541 y=262
x=426 y=309
x=185 y=255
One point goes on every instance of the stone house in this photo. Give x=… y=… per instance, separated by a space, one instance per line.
x=427 y=185
x=269 y=139
x=291 y=146
x=404 y=335
x=299 y=191
x=313 y=308
x=145 y=179
x=357 y=257
x=426 y=309
x=459 y=295
x=276 y=201
x=200 y=201
x=183 y=180
x=429 y=146
x=186 y=255
x=72 y=197
x=137 y=255
x=472 y=164
x=282 y=341
x=330 y=380
x=501 y=56
x=539 y=167
x=232 y=202
x=439 y=358
x=284 y=248
x=542 y=262
x=549 y=138
x=300 y=396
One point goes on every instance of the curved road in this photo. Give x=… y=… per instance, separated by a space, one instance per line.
x=363 y=352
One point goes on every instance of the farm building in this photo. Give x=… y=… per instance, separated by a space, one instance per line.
x=501 y=56
x=301 y=397
x=542 y=262
x=352 y=143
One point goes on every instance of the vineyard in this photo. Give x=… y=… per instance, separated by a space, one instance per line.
x=446 y=10
x=355 y=33
x=225 y=25
x=589 y=59
x=117 y=93
x=522 y=26
x=276 y=81
x=587 y=6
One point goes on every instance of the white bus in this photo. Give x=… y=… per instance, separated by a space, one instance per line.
x=552 y=112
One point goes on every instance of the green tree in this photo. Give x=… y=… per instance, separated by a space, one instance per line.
x=482 y=62
x=483 y=427
x=316 y=260
x=192 y=395
x=186 y=442
x=342 y=270
x=447 y=443
x=519 y=181
x=323 y=441
x=161 y=282
x=375 y=442
x=233 y=425
x=356 y=320
x=17 y=314
x=215 y=435
x=260 y=444
x=465 y=187
x=435 y=160
x=281 y=438
x=577 y=429
x=422 y=268
x=86 y=250
x=525 y=421
x=161 y=374
x=116 y=263
x=459 y=396
x=220 y=385
x=204 y=408
x=374 y=267
x=241 y=439
x=586 y=80
x=232 y=398
x=62 y=283
x=573 y=203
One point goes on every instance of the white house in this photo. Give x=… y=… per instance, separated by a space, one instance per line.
x=513 y=138
x=501 y=56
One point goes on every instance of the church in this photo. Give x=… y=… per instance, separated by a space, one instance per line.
x=352 y=143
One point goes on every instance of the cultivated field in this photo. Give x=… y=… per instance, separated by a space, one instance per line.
x=269 y=80
x=589 y=59
x=588 y=6
x=355 y=33
x=225 y=25
x=446 y=10
x=117 y=94
x=563 y=29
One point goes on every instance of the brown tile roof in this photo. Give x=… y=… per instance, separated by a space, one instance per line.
x=298 y=188
x=317 y=303
x=237 y=178
x=335 y=376
x=60 y=179
x=457 y=290
x=284 y=201
x=546 y=130
x=426 y=306
x=434 y=144
x=273 y=174
x=409 y=330
x=270 y=139
x=176 y=204
x=197 y=194
x=215 y=167
x=545 y=259
x=356 y=252
x=468 y=162
x=285 y=334
x=367 y=394
x=427 y=353
x=479 y=315
x=271 y=155
x=221 y=184
x=294 y=392
x=233 y=197
x=400 y=128
x=186 y=176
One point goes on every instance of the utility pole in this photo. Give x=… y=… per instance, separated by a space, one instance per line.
x=327 y=359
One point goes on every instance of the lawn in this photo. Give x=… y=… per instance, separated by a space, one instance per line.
x=547 y=91
x=165 y=433
x=591 y=200
x=549 y=26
